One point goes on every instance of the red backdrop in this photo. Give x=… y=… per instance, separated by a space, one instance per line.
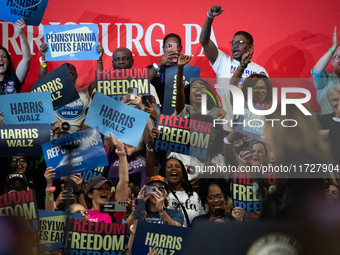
x=289 y=36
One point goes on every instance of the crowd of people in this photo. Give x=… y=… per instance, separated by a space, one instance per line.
x=182 y=196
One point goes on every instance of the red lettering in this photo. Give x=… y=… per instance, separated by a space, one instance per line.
x=99 y=227
x=187 y=123
x=119 y=229
x=106 y=75
x=133 y=73
x=161 y=119
x=112 y=72
x=180 y=123
x=91 y=225
x=84 y=226
x=77 y=225
x=195 y=125
x=27 y=195
x=108 y=228
x=125 y=73
x=142 y=73
x=118 y=73
x=99 y=73
x=8 y=199
x=205 y=127
x=168 y=120
x=174 y=121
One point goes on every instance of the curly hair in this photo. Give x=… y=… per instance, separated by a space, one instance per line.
x=186 y=185
x=10 y=67
x=251 y=81
x=206 y=183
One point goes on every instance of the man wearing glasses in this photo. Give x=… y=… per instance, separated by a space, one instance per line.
x=242 y=44
x=224 y=66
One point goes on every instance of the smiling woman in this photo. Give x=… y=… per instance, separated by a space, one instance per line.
x=11 y=80
x=181 y=196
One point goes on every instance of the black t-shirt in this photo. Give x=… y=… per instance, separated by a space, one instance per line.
x=159 y=82
x=10 y=85
x=327 y=122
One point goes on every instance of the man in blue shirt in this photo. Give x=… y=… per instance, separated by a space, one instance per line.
x=323 y=80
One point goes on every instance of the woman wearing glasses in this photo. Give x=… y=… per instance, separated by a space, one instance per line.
x=214 y=194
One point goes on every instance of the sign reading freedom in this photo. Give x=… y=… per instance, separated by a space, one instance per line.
x=27 y=108
x=96 y=238
x=115 y=83
x=21 y=203
x=59 y=82
x=185 y=136
x=71 y=42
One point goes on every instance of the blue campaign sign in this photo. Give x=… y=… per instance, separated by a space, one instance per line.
x=170 y=90
x=59 y=82
x=88 y=152
x=71 y=42
x=251 y=124
x=124 y=121
x=31 y=11
x=52 y=229
x=27 y=108
x=23 y=139
x=169 y=239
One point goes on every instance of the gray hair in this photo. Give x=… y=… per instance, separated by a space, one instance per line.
x=331 y=90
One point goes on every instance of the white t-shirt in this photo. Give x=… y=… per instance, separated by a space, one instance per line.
x=75 y=112
x=192 y=205
x=224 y=67
x=190 y=163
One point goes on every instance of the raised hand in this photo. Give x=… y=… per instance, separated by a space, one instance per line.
x=151 y=110
x=117 y=143
x=100 y=49
x=335 y=39
x=43 y=49
x=246 y=58
x=20 y=26
x=215 y=10
x=183 y=60
x=49 y=174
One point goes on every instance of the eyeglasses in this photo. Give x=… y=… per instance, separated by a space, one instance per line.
x=238 y=42
x=82 y=212
x=21 y=161
x=213 y=197
x=263 y=89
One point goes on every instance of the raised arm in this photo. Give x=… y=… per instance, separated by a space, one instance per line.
x=100 y=67
x=43 y=63
x=246 y=59
x=123 y=183
x=210 y=48
x=24 y=65
x=166 y=58
x=324 y=60
x=150 y=154
x=180 y=97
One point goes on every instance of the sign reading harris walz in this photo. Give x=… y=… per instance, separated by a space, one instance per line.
x=71 y=42
x=32 y=11
x=115 y=83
